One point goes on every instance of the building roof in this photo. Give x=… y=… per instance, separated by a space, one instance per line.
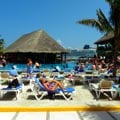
x=106 y=38
x=36 y=42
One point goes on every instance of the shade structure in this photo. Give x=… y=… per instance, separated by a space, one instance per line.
x=38 y=45
x=106 y=38
x=36 y=42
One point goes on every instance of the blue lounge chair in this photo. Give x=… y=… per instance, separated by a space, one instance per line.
x=17 y=90
x=67 y=93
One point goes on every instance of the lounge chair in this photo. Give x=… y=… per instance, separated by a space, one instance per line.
x=91 y=77
x=67 y=93
x=102 y=87
x=17 y=90
x=27 y=80
x=4 y=76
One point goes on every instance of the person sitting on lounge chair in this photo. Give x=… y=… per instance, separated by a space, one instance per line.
x=13 y=71
x=56 y=69
x=13 y=81
x=51 y=85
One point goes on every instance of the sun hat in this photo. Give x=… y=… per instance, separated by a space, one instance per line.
x=37 y=64
x=14 y=67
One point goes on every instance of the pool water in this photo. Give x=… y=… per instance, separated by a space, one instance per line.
x=22 y=67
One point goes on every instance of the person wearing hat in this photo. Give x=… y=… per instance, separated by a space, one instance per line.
x=13 y=81
x=36 y=67
x=13 y=71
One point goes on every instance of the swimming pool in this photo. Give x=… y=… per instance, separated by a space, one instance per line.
x=22 y=67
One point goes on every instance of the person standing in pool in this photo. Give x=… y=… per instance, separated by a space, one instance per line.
x=29 y=67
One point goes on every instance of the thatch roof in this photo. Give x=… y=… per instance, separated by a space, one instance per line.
x=106 y=38
x=35 y=42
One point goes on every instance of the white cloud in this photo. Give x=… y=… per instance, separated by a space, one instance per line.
x=59 y=41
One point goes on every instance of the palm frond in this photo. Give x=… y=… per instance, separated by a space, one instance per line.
x=92 y=23
x=104 y=21
x=109 y=1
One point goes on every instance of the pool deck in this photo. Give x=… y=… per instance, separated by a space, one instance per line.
x=74 y=115
x=82 y=97
x=79 y=108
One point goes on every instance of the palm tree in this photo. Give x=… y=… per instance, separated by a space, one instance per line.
x=114 y=18
x=105 y=25
x=101 y=23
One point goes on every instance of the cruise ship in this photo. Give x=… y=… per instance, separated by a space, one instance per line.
x=81 y=53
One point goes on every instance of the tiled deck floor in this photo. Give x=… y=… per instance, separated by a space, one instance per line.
x=73 y=115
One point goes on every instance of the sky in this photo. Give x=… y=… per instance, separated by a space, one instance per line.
x=56 y=17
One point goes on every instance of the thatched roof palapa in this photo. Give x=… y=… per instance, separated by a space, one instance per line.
x=35 y=42
x=106 y=38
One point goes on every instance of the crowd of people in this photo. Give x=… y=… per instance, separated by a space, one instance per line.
x=51 y=85
x=13 y=73
x=97 y=64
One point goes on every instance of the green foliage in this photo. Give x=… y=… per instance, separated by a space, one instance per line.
x=106 y=25
x=101 y=23
x=1 y=45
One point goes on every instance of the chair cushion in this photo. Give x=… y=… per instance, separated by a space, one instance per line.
x=105 y=84
x=13 y=88
x=68 y=89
